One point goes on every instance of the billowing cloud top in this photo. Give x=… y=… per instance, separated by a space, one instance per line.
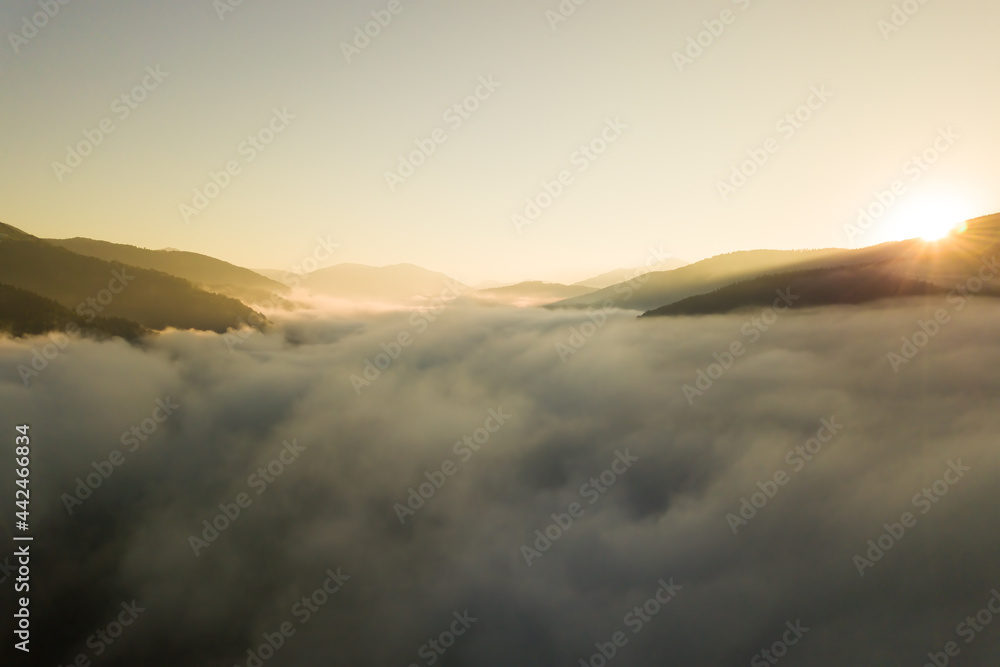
x=501 y=487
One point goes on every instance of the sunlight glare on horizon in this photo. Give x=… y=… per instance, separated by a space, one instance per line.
x=931 y=217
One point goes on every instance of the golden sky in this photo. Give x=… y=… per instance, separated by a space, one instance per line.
x=697 y=128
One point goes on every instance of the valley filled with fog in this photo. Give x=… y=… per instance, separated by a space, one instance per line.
x=653 y=463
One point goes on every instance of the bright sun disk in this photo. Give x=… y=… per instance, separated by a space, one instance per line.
x=932 y=218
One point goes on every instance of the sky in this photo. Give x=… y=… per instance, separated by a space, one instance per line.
x=667 y=120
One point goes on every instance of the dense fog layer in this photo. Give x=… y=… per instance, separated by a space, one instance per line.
x=413 y=487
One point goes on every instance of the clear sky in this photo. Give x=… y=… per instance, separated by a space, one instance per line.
x=675 y=128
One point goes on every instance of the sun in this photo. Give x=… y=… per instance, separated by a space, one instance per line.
x=931 y=217
x=933 y=220
x=934 y=232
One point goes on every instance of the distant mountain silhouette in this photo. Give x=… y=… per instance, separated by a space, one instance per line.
x=399 y=283
x=814 y=287
x=622 y=275
x=8 y=232
x=954 y=258
x=889 y=270
x=23 y=313
x=122 y=290
x=91 y=287
x=206 y=272
x=532 y=293
x=657 y=288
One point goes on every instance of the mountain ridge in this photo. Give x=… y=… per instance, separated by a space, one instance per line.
x=92 y=287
